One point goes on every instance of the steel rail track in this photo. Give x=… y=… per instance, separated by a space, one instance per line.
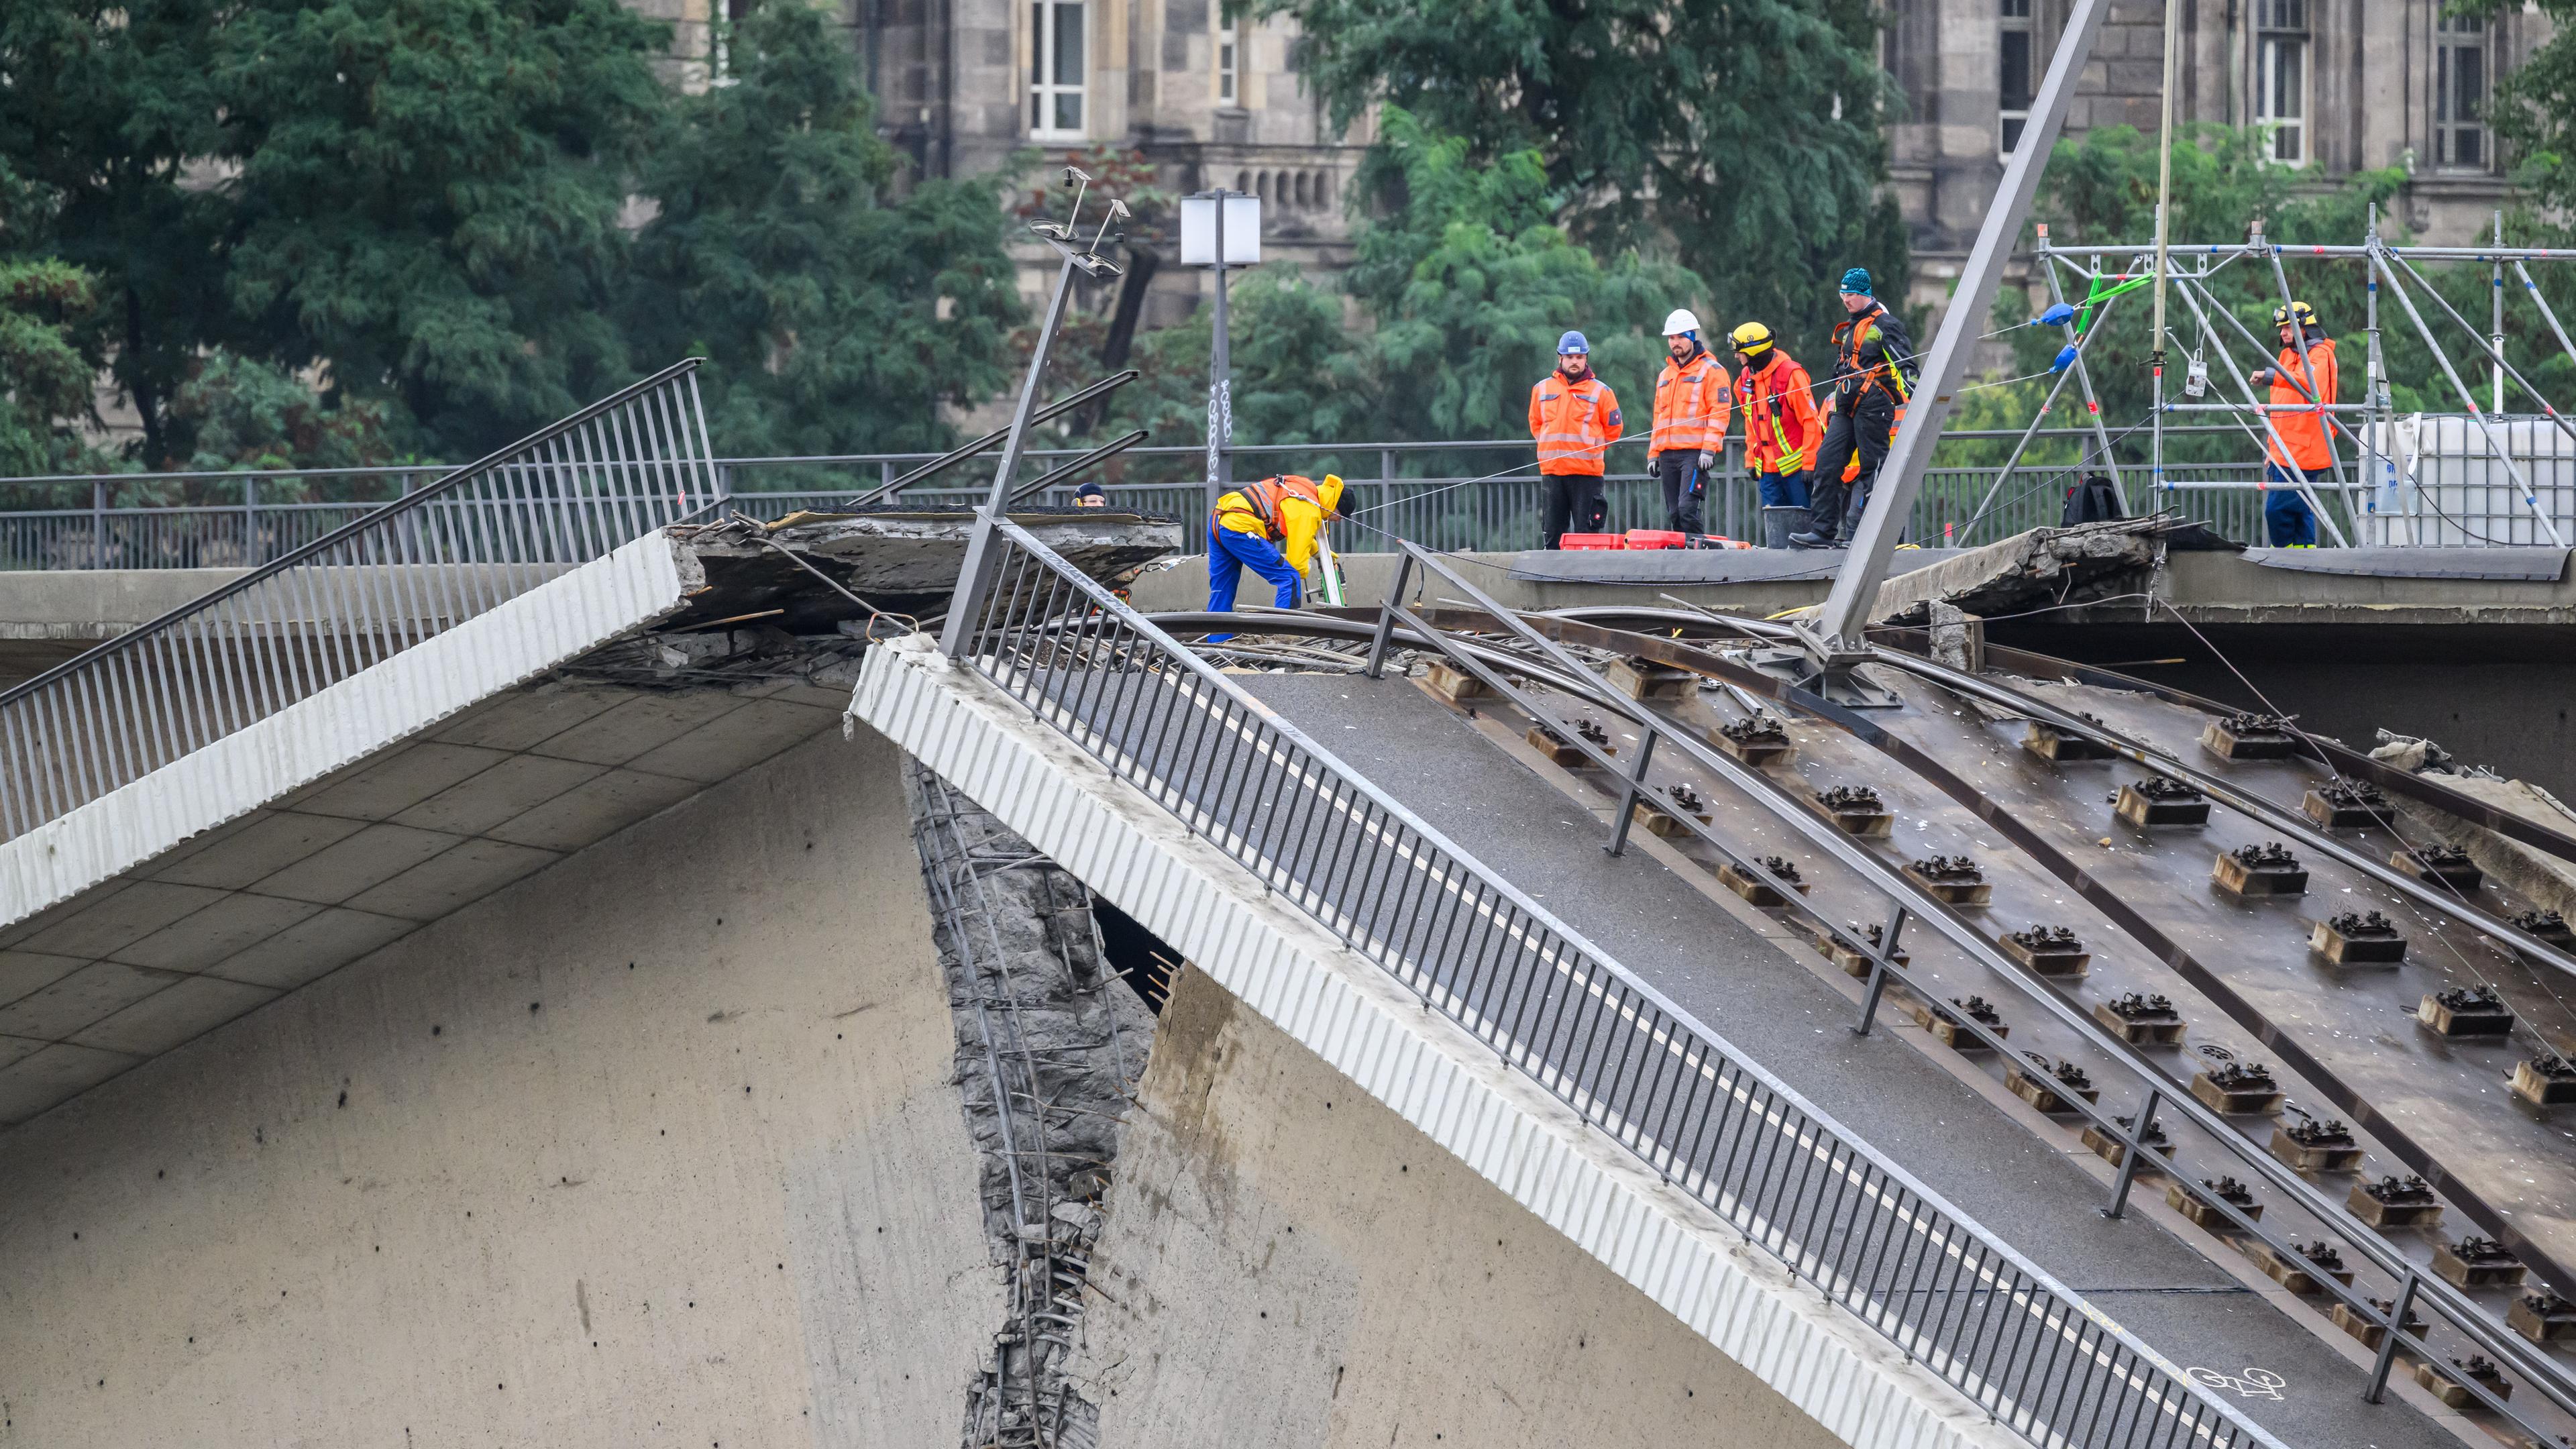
x=1439 y=629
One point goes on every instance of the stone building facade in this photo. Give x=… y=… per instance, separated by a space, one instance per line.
x=2345 y=85
x=965 y=85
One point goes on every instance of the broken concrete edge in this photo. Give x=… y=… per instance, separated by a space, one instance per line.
x=2535 y=874
x=2043 y=566
x=1443 y=1081
x=638 y=584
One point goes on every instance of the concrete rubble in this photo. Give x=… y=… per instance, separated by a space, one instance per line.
x=811 y=573
x=1050 y=1047
x=2039 y=569
x=2543 y=877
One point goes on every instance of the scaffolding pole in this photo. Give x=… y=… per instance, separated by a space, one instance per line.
x=2083 y=375
x=2468 y=399
x=2218 y=345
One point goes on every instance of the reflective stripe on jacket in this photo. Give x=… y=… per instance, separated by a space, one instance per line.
x=1851 y=376
x=1574 y=423
x=1778 y=406
x=1691 y=406
x=1288 y=509
x=2298 y=395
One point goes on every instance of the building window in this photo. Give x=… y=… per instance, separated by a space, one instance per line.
x=2018 y=80
x=1055 y=69
x=2460 y=93
x=1229 y=64
x=2281 y=76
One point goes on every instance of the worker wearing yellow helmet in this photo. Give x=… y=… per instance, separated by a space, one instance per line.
x=1268 y=527
x=2303 y=387
x=1777 y=403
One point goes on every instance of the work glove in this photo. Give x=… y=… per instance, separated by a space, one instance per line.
x=2262 y=377
x=1707 y=459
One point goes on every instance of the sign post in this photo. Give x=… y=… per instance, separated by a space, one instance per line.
x=1220 y=229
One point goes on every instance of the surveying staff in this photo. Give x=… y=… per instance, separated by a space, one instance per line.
x=2303 y=386
x=1690 y=422
x=1873 y=377
x=1778 y=406
x=1268 y=527
x=1575 y=418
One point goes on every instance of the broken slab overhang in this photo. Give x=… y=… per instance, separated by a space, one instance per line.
x=902 y=561
x=2043 y=568
x=472 y=760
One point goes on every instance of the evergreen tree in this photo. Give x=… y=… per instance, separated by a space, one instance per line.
x=48 y=387
x=2102 y=188
x=1745 y=138
x=427 y=198
x=2534 y=111
x=833 y=318
x=103 y=106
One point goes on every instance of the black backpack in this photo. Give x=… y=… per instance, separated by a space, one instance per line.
x=2092 y=501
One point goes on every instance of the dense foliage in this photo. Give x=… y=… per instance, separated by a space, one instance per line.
x=1460 y=295
x=352 y=230
x=1747 y=140
x=2102 y=189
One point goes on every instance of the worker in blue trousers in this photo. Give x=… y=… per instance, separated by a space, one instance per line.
x=1270 y=528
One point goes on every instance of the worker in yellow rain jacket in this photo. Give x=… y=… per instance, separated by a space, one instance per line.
x=1270 y=528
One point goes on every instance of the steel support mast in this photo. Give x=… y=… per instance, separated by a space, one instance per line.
x=1831 y=641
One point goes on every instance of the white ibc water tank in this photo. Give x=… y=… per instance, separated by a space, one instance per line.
x=2433 y=478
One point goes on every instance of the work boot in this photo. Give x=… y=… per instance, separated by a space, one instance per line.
x=1807 y=540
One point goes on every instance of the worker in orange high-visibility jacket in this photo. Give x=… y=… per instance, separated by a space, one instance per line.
x=1268 y=527
x=1691 y=408
x=1776 y=403
x=2303 y=388
x=1575 y=418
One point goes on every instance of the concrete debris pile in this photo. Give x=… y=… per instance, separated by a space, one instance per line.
x=2042 y=568
x=811 y=573
x=1050 y=1044
x=2535 y=873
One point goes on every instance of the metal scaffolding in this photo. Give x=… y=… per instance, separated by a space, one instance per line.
x=2382 y=472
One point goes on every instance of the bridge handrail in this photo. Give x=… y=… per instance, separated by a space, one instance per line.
x=400 y=574
x=1709 y=1120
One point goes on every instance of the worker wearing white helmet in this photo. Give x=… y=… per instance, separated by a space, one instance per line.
x=1691 y=411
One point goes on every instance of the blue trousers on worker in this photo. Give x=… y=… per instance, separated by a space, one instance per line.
x=2287 y=520
x=1229 y=554
x=1784 y=490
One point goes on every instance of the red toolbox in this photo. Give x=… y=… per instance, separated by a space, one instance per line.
x=1656 y=538
x=1592 y=541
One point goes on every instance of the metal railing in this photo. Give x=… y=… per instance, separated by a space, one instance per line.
x=353 y=597
x=1841 y=1216
x=1414 y=491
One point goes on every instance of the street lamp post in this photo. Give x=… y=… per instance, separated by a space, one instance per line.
x=1220 y=229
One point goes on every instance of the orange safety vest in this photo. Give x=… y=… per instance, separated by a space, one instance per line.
x=2298 y=393
x=1779 y=407
x=1691 y=408
x=1574 y=423
x=1262 y=499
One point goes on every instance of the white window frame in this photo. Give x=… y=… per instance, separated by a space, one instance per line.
x=2014 y=17
x=2281 y=37
x=2450 y=37
x=1048 y=88
x=1229 y=60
